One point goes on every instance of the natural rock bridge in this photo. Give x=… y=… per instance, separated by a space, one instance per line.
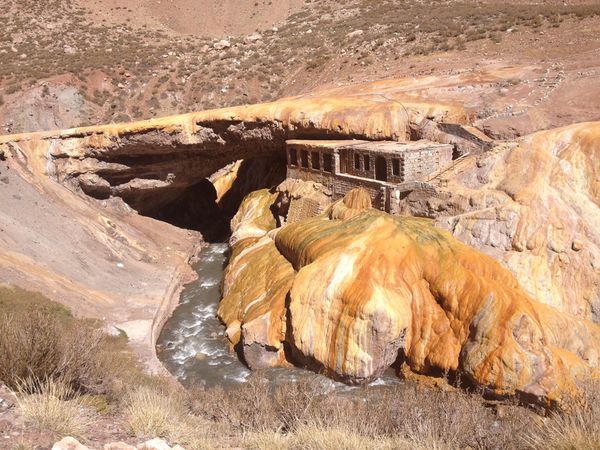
x=154 y=163
x=517 y=203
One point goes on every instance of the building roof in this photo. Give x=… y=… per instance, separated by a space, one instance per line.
x=325 y=143
x=373 y=146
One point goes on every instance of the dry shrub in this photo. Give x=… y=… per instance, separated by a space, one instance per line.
x=313 y=437
x=54 y=407
x=577 y=428
x=151 y=412
x=250 y=407
x=266 y=440
x=40 y=339
x=323 y=437
x=43 y=346
x=403 y=414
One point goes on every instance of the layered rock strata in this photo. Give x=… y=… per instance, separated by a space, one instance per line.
x=150 y=163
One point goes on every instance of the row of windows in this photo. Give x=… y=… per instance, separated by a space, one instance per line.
x=367 y=161
x=314 y=159
x=357 y=162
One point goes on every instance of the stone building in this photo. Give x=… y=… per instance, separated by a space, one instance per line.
x=387 y=169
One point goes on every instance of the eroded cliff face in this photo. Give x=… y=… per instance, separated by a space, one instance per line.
x=535 y=207
x=151 y=164
x=355 y=290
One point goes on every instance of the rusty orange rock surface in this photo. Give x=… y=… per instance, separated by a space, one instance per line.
x=369 y=289
x=535 y=207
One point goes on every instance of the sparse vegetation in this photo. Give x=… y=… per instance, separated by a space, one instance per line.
x=578 y=428
x=151 y=412
x=258 y=415
x=53 y=406
x=321 y=39
x=45 y=347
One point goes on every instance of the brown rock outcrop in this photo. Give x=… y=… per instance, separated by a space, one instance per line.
x=368 y=289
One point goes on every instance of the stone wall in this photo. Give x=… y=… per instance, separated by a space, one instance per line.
x=420 y=163
x=341 y=184
x=409 y=165
x=303 y=208
x=383 y=173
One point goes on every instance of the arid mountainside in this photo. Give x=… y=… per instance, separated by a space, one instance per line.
x=74 y=63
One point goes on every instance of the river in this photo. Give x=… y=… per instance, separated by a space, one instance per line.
x=192 y=345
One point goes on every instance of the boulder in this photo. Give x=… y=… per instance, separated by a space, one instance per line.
x=222 y=44
x=254 y=37
x=69 y=443
x=155 y=444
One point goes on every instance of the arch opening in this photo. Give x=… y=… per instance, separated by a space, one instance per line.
x=381 y=168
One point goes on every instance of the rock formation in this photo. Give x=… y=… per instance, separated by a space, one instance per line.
x=354 y=290
x=67 y=232
x=534 y=206
x=150 y=163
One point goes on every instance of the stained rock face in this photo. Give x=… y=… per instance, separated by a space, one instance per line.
x=150 y=163
x=256 y=283
x=365 y=289
x=535 y=207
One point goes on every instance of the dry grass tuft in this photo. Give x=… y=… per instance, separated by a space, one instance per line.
x=54 y=407
x=314 y=437
x=323 y=437
x=266 y=440
x=151 y=413
x=576 y=429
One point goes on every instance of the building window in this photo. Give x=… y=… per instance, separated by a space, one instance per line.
x=304 y=158
x=328 y=162
x=315 y=161
x=293 y=157
x=396 y=167
x=356 y=161
x=381 y=168
x=367 y=163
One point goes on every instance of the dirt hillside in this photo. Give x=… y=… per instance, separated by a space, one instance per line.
x=68 y=64
x=197 y=17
